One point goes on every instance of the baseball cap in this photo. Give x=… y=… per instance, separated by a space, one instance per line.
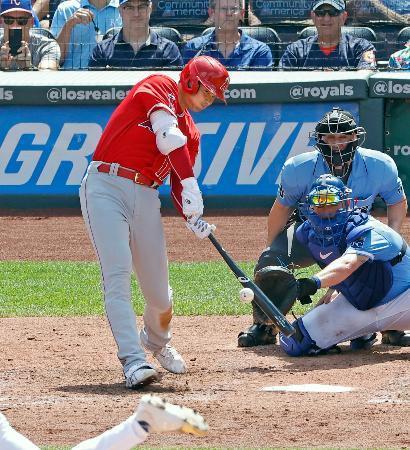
x=15 y=5
x=337 y=4
x=125 y=1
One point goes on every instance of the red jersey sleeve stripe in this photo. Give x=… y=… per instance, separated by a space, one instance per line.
x=160 y=106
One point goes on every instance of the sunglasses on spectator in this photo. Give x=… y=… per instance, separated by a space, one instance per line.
x=20 y=20
x=330 y=12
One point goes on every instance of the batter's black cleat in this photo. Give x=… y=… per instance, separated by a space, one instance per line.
x=257 y=334
x=397 y=338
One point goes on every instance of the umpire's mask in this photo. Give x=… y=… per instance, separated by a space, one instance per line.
x=337 y=136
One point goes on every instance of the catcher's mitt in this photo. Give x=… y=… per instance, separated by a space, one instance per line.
x=279 y=284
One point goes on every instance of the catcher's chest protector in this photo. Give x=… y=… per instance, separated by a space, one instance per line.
x=366 y=286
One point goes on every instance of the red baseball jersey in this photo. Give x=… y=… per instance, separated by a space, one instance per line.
x=128 y=138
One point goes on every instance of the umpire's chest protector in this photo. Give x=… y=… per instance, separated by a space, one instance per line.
x=366 y=286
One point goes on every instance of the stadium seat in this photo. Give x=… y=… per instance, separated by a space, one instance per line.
x=166 y=32
x=361 y=32
x=264 y=34
x=169 y=33
x=111 y=31
x=404 y=35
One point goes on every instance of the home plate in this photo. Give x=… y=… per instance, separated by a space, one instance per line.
x=307 y=388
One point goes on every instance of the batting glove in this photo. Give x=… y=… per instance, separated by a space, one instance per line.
x=192 y=204
x=200 y=227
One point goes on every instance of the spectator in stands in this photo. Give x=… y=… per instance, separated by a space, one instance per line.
x=135 y=45
x=45 y=9
x=227 y=43
x=401 y=59
x=36 y=51
x=79 y=25
x=329 y=48
x=252 y=19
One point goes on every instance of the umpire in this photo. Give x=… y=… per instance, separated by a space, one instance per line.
x=367 y=172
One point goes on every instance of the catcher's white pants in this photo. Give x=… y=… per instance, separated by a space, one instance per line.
x=339 y=321
x=124 y=223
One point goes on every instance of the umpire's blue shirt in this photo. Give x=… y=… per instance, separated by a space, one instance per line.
x=352 y=52
x=156 y=52
x=249 y=53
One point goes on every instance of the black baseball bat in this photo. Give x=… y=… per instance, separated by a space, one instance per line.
x=260 y=298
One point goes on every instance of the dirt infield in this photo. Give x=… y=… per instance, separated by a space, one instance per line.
x=61 y=382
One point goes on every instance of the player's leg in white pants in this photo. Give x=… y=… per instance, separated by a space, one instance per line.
x=339 y=321
x=111 y=207
x=10 y=439
x=150 y=263
x=124 y=436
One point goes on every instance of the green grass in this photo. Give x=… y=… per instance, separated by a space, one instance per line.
x=73 y=288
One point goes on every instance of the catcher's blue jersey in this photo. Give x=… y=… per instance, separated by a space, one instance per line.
x=383 y=244
x=378 y=243
x=373 y=173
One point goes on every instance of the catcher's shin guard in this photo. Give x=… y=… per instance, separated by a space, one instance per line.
x=300 y=343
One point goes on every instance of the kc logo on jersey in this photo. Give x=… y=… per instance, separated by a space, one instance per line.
x=358 y=243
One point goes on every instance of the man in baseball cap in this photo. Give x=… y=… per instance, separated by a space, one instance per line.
x=330 y=48
x=339 y=5
x=9 y=6
x=21 y=47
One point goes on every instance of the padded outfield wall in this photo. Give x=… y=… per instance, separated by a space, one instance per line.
x=51 y=122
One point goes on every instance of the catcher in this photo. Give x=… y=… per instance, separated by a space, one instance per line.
x=367 y=264
x=367 y=172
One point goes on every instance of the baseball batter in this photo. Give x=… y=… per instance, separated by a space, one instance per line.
x=365 y=261
x=150 y=135
x=367 y=172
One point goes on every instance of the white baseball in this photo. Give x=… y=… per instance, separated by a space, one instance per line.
x=246 y=295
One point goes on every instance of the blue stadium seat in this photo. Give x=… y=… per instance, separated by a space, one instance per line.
x=360 y=32
x=264 y=34
x=404 y=35
x=166 y=32
x=169 y=33
x=111 y=31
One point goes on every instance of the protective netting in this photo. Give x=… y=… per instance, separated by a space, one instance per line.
x=274 y=34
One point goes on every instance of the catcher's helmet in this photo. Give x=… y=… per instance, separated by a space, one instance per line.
x=207 y=71
x=328 y=190
x=338 y=121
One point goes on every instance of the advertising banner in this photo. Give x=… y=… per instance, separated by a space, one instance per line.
x=288 y=89
x=45 y=150
x=360 y=11
x=398 y=138
x=394 y=85
x=179 y=12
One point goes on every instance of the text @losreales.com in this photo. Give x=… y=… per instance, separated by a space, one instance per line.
x=73 y=95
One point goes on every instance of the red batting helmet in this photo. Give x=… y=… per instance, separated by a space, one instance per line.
x=207 y=71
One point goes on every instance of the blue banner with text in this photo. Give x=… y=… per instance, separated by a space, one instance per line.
x=45 y=150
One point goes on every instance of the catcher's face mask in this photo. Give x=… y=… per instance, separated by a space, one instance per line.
x=327 y=208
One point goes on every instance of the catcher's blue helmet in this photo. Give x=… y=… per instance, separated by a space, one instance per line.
x=328 y=224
